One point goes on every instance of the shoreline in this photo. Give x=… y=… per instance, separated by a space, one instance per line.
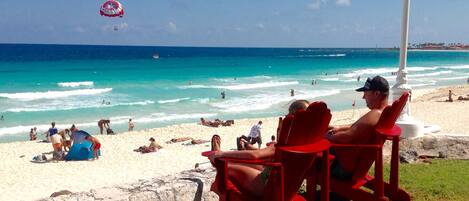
x=119 y=164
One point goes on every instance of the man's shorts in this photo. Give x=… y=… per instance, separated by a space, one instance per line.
x=255 y=140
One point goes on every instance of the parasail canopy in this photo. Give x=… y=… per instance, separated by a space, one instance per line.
x=112 y=8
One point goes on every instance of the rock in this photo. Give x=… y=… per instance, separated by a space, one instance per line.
x=429 y=142
x=431 y=146
x=59 y=193
x=442 y=154
x=187 y=185
x=409 y=156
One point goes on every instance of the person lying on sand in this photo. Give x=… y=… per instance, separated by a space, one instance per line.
x=182 y=139
x=216 y=122
x=463 y=98
x=152 y=148
x=209 y=123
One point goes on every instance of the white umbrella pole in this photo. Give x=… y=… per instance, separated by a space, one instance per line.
x=410 y=127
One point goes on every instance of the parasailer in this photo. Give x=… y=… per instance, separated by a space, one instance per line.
x=112 y=8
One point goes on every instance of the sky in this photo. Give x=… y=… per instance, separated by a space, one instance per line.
x=234 y=23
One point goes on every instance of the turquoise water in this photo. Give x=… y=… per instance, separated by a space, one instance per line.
x=67 y=84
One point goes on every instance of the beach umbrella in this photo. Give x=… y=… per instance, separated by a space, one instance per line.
x=410 y=127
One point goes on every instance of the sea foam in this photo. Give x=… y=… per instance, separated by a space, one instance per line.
x=114 y=121
x=173 y=100
x=61 y=107
x=265 y=101
x=243 y=86
x=53 y=94
x=75 y=84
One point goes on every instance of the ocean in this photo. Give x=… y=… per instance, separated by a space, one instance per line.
x=80 y=84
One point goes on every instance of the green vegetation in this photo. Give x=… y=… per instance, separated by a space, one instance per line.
x=438 y=181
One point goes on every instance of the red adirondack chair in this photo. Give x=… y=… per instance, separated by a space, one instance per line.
x=373 y=153
x=300 y=138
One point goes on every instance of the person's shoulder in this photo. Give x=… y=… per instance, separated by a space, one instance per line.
x=371 y=117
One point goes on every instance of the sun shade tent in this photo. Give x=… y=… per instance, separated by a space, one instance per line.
x=80 y=151
x=81 y=148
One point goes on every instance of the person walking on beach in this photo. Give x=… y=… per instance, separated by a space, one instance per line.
x=255 y=134
x=103 y=123
x=131 y=125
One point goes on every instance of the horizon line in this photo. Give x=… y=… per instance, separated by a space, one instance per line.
x=183 y=46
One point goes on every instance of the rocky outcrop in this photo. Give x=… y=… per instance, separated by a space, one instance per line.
x=433 y=146
x=193 y=185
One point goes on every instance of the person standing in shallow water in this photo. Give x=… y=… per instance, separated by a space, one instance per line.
x=131 y=125
x=222 y=95
x=292 y=92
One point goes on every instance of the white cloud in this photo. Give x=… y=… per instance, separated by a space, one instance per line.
x=79 y=29
x=115 y=27
x=122 y=26
x=172 y=27
x=238 y=29
x=260 y=26
x=343 y=2
x=315 y=5
x=285 y=28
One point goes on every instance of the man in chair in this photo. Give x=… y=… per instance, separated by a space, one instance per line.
x=375 y=93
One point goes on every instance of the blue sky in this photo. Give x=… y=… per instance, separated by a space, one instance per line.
x=234 y=23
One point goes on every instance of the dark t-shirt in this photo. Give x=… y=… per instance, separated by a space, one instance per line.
x=52 y=131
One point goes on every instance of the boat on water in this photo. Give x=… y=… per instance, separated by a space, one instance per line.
x=156 y=56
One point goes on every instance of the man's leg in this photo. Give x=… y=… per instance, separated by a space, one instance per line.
x=249 y=178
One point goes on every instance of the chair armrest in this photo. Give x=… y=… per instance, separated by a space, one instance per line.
x=313 y=148
x=249 y=161
x=395 y=131
x=357 y=146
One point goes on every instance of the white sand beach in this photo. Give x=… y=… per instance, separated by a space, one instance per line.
x=119 y=164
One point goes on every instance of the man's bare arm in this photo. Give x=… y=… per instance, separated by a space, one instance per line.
x=359 y=131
